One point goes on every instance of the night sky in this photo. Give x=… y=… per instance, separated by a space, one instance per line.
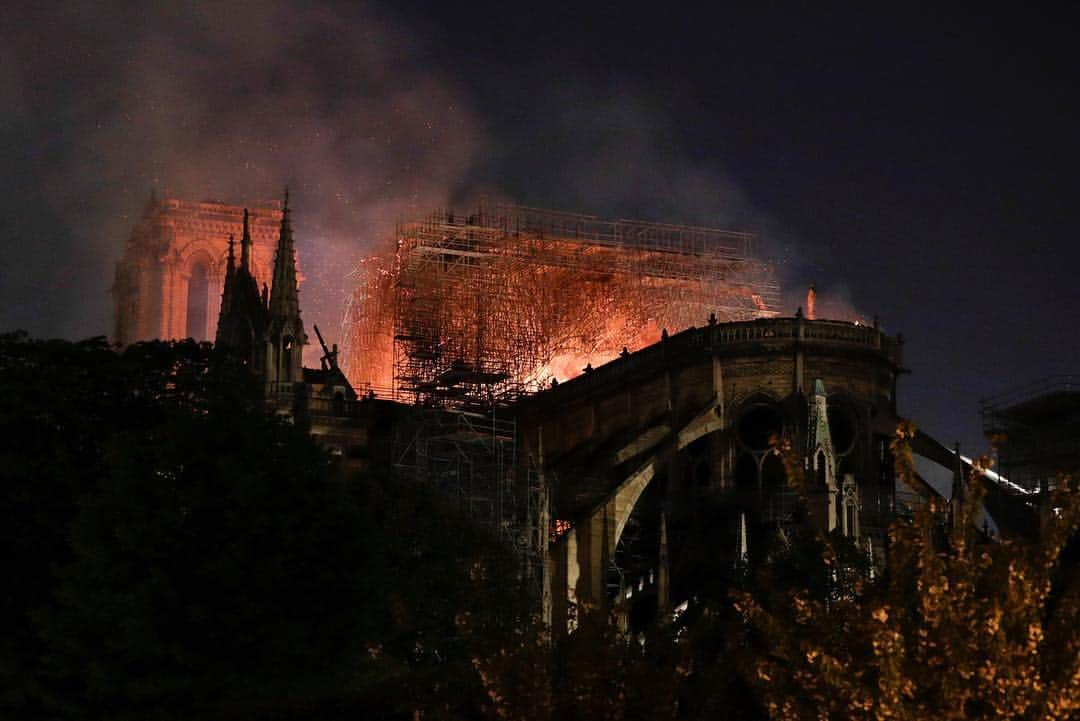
x=916 y=165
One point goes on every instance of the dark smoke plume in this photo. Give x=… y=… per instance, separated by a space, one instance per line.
x=343 y=102
x=214 y=101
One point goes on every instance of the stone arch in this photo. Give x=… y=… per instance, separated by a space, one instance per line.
x=198 y=289
x=632 y=570
x=844 y=423
x=818 y=493
x=747 y=397
x=586 y=549
x=818 y=472
x=756 y=419
x=286 y=356
x=696 y=466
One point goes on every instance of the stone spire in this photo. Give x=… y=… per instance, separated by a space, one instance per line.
x=822 y=454
x=242 y=319
x=245 y=245
x=284 y=336
x=284 y=293
x=230 y=272
x=230 y=275
x=227 y=293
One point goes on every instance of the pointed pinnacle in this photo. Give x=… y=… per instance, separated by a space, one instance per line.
x=245 y=244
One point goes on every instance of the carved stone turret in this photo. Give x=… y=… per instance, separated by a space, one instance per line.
x=284 y=337
x=821 y=455
x=242 y=319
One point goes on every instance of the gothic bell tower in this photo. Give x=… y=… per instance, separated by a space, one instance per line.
x=171 y=277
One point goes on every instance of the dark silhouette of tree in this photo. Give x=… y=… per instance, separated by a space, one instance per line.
x=180 y=553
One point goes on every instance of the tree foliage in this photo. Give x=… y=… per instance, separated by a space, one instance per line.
x=958 y=627
x=176 y=551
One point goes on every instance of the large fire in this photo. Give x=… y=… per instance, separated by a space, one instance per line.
x=506 y=300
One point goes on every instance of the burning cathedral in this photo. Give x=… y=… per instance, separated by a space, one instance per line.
x=582 y=388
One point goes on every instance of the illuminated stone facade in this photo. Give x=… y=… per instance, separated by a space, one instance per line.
x=169 y=282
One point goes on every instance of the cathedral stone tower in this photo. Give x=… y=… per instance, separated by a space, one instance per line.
x=170 y=280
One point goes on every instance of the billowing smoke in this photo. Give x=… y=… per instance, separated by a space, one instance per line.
x=216 y=101
x=346 y=104
x=622 y=155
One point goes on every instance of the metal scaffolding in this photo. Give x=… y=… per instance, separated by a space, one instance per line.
x=472 y=458
x=471 y=310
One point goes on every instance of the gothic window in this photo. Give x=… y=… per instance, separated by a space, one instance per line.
x=843 y=426
x=197 y=297
x=758 y=424
x=819 y=472
x=286 y=359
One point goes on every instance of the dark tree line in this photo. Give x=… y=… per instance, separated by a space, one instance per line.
x=172 y=551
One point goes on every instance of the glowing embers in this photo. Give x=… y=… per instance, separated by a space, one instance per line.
x=572 y=363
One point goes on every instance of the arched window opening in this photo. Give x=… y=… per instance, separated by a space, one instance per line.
x=757 y=425
x=286 y=356
x=843 y=426
x=197 y=296
x=817 y=497
x=632 y=578
x=819 y=472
